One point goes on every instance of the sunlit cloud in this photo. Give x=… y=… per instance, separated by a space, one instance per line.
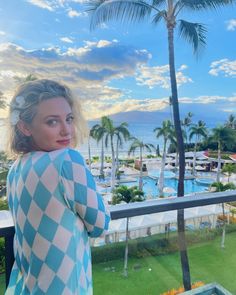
x=87 y=70
x=45 y=4
x=66 y=40
x=208 y=99
x=231 y=25
x=98 y=108
x=159 y=76
x=74 y=13
x=224 y=66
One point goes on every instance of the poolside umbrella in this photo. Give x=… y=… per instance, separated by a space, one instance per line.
x=198 y=167
x=169 y=167
x=95 y=172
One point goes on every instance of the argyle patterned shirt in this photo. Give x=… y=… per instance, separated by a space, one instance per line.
x=55 y=207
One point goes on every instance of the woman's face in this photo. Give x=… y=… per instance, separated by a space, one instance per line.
x=52 y=127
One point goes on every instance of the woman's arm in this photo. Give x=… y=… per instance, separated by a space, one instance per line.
x=81 y=195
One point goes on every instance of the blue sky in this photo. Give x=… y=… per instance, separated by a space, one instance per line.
x=118 y=68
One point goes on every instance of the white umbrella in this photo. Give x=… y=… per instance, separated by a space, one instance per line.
x=107 y=170
x=169 y=167
x=95 y=172
x=198 y=167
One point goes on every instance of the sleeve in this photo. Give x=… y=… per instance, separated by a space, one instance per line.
x=80 y=193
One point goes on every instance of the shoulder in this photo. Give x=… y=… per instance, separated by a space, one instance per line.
x=74 y=156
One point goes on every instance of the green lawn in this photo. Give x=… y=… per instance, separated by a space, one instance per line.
x=155 y=275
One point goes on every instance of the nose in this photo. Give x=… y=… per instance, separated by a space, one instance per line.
x=65 y=129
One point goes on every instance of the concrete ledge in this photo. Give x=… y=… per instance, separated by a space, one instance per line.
x=209 y=289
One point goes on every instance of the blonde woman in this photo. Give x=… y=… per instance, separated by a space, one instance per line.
x=51 y=193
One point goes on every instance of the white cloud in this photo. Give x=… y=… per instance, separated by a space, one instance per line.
x=66 y=40
x=159 y=76
x=208 y=99
x=231 y=25
x=45 y=4
x=223 y=66
x=74 y=13
x=2 y=33
x=87 y=70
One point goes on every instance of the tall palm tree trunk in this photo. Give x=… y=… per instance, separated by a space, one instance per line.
x=102 y=159
x=126 y=248
x=179 y=137
x=219 y=163
x=89 y=154
x=194 y=159
x=141 y=169
x=113 y=168
x=161 y=177
x=117 y=157
x=223 y=229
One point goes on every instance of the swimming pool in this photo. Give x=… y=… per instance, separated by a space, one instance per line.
x=150 y=186
x=205 y=181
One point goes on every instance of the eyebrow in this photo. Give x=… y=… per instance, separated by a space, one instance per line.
x=57 y=116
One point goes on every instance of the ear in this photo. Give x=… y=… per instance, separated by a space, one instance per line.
x=24 y=128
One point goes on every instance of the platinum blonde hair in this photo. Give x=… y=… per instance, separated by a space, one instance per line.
x=32 y=94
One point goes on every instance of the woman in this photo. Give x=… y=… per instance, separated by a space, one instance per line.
x=51 y=193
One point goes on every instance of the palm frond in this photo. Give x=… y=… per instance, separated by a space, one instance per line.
x=159 y=16
x=204 y=4
x=194 y=33
x=124 y=10
x=158 y=3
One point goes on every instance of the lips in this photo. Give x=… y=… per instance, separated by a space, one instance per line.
x=64 y=142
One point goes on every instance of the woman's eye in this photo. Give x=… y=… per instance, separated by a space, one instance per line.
x=70 y=119
x=52 y=122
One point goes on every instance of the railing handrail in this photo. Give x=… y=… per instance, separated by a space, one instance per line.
x=168 y=204
x=130 y=210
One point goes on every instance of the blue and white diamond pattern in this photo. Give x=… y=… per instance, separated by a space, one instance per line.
x=55 y=207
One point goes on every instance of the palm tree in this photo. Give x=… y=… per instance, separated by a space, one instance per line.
x=98 y=132
x=220 y=187
x=166 y=131
x=229 y=169
x=168 y=11
x=186 y=123
x=127 y=195
x=111 y=133
x=139 y=144
x=231 y=122
x=198 y=130
x=122 y=134
x=223 y=136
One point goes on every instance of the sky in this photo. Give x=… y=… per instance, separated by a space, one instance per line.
x=118 y=68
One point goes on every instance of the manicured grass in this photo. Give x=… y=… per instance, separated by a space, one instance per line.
x=155 y=275
x=2 y=283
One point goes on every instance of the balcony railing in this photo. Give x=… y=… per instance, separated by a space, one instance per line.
x=131 y=210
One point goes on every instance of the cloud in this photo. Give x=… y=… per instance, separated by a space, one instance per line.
x=87 y=70
x=231 y=25
x=159 y=76
x=208 y=99
x=2 y=33
x=45 y=4
x=223 y=66
x=53 y=5
x=74 y=13
x=109 y=108
x=66 y=40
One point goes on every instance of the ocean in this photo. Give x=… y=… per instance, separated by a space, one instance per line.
x=142 y=130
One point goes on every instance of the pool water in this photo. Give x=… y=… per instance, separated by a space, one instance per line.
x=150 y=186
